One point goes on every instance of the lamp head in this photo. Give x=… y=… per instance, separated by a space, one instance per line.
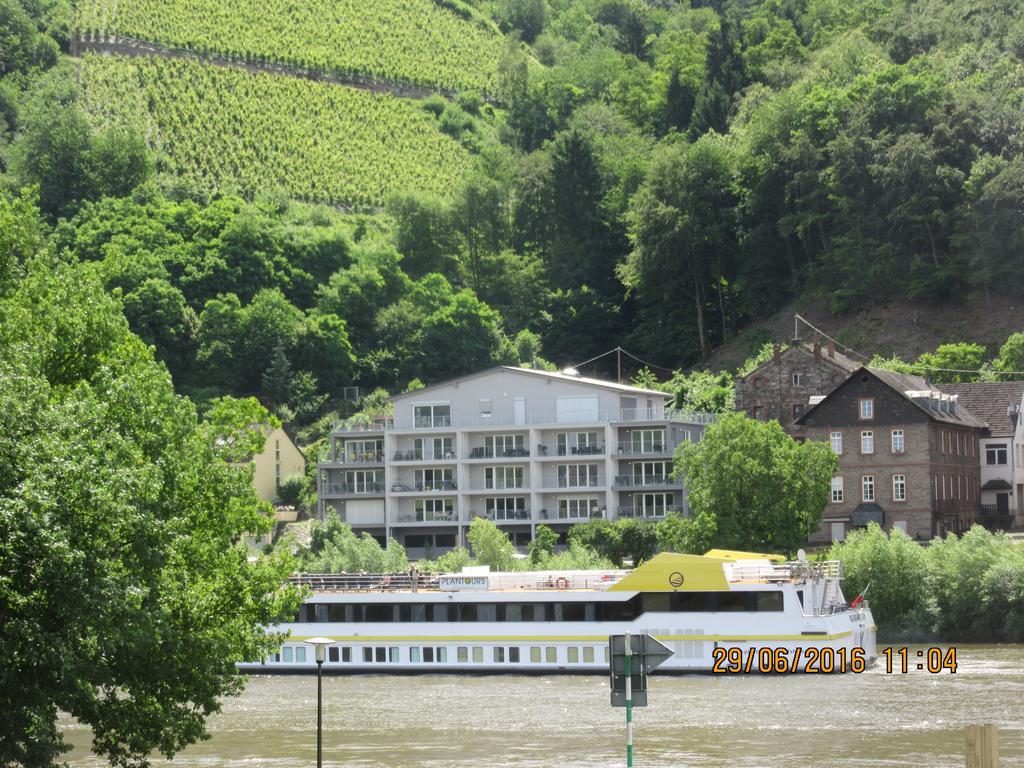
x=320 y=644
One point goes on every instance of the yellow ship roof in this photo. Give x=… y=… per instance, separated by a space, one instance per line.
x=731 y=554
x=670 y=572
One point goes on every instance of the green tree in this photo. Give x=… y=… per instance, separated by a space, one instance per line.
x=463 y=336
x=119 y=162
x=952 y=362
x=158 y=314
x=687 y=535
x=236 y=429
x=335 y=548
x=543 y=545
x=491 y=545
x=276 y=382
x=765 y=491
x=1011 y=354
x=125 y=597
x=896 y=568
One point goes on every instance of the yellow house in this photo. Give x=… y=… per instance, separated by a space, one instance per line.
x=279 y=460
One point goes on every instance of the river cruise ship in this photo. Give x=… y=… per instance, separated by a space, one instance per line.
x=559 y=622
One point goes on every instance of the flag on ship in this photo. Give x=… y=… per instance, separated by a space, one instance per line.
x=857 y=600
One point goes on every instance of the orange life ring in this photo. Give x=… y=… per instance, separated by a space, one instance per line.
x=561 y=583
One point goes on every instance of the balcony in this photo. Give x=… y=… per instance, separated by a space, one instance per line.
x=993 y=518
x=506 y=515
x=564 y=482
x=426 y=517
x=352 y=489
x=506 y=453
x=648 y=513
x=424 y=456
x=567 y=515
x=643 y=450
x=438 y=487
x=571 y=450
x=511 y=421
x=625 y=481
x=359 y=457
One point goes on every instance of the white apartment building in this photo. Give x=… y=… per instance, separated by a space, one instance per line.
x=1001 y=448
x=518 y=446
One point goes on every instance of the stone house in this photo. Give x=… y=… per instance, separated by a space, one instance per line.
x=782 y=388
x=908 y=456
x=998 y=404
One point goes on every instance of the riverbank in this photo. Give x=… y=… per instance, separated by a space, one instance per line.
x=872 y=720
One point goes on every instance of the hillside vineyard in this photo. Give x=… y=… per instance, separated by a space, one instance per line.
x=216 y=125
x=415 y=41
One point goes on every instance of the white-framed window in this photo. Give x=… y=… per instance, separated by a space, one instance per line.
x=866 y=408
x=486 y=406
x=838 y=531
x=995 y=455
x=899 y=487
x=836 y=441
x=647 y=441
x=364 y=481
x=431 y=415
x=651 y=472
x=900 y=525
x=505 y=445
x=434 y=479
x=431 y=448
x=837 y=490
x=500 y=478
x=572 y=443
x=577 y=507
x=652 y=504
x=577 y=476
x=898 y=443
x=867 y=488
x=867 y=441
x=364 y=450
x=798 y=379
x=506 y=508
x=434 y=509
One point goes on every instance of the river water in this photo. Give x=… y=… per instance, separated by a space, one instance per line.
x=868 y=720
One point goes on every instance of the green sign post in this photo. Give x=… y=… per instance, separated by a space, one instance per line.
x=630 y=658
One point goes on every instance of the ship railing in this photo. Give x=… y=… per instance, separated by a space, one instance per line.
x=793 y=570
x=554 y=581
x=365 y=582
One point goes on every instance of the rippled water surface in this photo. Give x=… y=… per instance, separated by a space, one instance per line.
x=843 y=721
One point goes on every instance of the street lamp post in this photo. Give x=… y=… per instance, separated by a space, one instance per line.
x=320 y=645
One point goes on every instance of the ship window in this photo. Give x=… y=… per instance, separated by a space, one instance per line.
x=379 y=613
x=439 y=613
x=624 y=611
x=428 y=655
x=288 y=654
x=478 y=654
x=535 y=655
x=512 y=612
x=346 y=655
x=486 y=612
x=656 y=602
x=588 y=655
x=605 y=652
x=442 y=655
x=529 y=613
x=691 y=602
x=499 y=655
x=336 y=613
x=414 y=655
x=332 y=653
x=551 y=655
x=300 y=654
x=367 y=655
x=381 y=655
x=393 y=654
x=462 y=654
x=572 y=655
x=513 y=655
x=466 y=611
x=769 y=601
x=732 y=601
x=576 y=612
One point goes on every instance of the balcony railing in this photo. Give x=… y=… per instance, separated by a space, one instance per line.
x=565 y=482
x=503 y=514
x=427 y=517
x=625 y=481
x=441 y=485
x=429 y=455
x=566 y=514
x=360 y=457
x=503 y=485
x=642 y=450
x=502 y=453
x=647 y=512
x=353 y=489
x=588 y=416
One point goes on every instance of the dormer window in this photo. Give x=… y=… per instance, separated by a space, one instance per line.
x=867 y=408
x=798 y=379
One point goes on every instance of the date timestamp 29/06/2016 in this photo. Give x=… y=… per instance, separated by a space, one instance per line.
x=828 y=660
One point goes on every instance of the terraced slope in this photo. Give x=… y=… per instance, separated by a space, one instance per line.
x=416 y=41
x=220 y=125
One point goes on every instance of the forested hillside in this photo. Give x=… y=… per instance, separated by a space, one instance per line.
x=587 y=173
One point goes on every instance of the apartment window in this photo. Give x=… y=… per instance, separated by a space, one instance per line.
x=651 y=472
x=837 y=490
x=867 y=408
x=957 y=443
x=363 y=450
x=867 y=487
x=504 y=445
x=577 y=476
x=798 y=379
x=995 y=455
x=501 y=478
x=576 y=507
x=433 y=448
x=364 y=481
x=867 y=442
x=572 y=443
x=899 y=487
x=836 y=440
x=434 y=415
x=798 y=411
x=647 y=441
x=897 y=441
x=653 y=504
x=434 y=480
x=506 y=508
x=485 y=406
x=757 y=413
x=434 y=509
x=277 y=450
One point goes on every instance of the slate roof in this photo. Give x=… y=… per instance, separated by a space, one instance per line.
x=988 y=400
x=904 y=383
x=837 y=359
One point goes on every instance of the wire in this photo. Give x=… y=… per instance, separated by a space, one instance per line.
x=650 y=365
x=627 y=353
x=837 y=343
